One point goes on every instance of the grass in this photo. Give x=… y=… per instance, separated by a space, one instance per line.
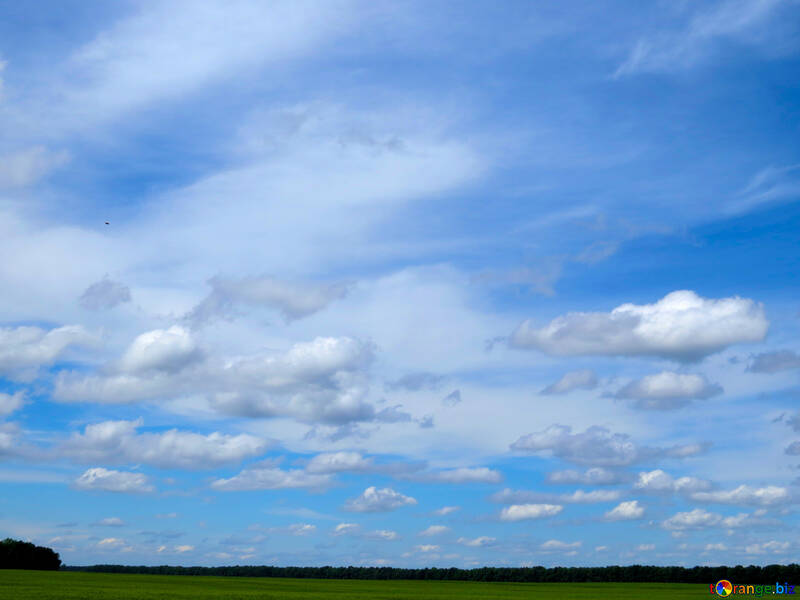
x=55 y=585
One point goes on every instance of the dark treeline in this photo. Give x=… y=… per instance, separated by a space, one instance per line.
x=632 y=573
x=16 y=554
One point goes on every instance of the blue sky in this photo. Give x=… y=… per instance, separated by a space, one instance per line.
x=400 y=283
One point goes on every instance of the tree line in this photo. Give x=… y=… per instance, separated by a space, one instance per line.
x=620 y=574
x=16 y=554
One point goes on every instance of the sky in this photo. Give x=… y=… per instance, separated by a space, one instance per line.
x=401 y=283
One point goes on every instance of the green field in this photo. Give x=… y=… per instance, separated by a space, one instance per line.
x=53 y=585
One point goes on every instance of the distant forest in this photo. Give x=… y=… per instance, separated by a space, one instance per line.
x=16 y=554
x=629 y=574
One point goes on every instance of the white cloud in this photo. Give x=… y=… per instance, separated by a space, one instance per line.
x=702 y=519
x=645 y=547
x=118 y=441
x=593 y=476
x=715 y=548
x=559 y=546
x=268 y=477
x=322 y=381
x=108 y=480
x=681 y=326
x=659 y=481
x=477 y=542
x=111 y=543
x=446 y=510
x=293 y=300
x=339 y=462
x=11 y=402
x=574 y=380
x=771 y=547
x=746 y=495
x=383 y=534
x=519 y=512
x=162 y=52
x=774 y=362
x=111 y=522
x=378 y=500
x=346 y=529
x=184 y=548
x=434 y=530
x=459 y=475
x=302 y=529
x=509 y=496
x=769 y=186
x=31 y=347
x=668 y=51
x=26 y=167
x=105 y=294
x=427 y=548
x=694 y=519
x=668 y=390
x=166 y=350
x=625 y=511
x=596 y=446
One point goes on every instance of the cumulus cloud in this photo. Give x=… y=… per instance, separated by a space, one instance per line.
x=520 y=512
x=378 y=500
x=559 y=546
x=168 y=350
x=460 y=475
x=509 y=496
x=119 y=442
x=625 y=511
x=658 y=481
x=11 y=402
x=770 y=495
x=427 y=548
x=25 y=348
x=323 y=381
x=593 y=476
x=668 y=390
x=346 y=529
x=771 y=547
x=773 y=362
x=477 y=542
x=434 y=530
x=574 y=380
x=108 y=480
x=386 y=535
x=269 y=477
x=339 y=462
x=596 y=446
x=293 y=300
x=702 y=519
x=681 y=326
x=105 y=294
